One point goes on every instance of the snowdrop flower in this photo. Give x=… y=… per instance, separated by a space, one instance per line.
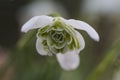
x=57 y=36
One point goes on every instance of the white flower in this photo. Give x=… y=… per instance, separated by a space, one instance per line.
x=58 y=36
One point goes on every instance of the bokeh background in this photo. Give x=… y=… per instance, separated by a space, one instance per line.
x=99 y=60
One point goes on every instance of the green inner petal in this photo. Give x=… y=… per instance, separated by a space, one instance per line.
x=45 y=47
x=78 y=44
x=43 y=31
x=64 y=50
x=50 y=42
x=44 y=42
x=59 y=45
x=44 y=35
x=68 y=38
x=58 y=37
x=53 y=50
x=72 y=45
x=69 y=30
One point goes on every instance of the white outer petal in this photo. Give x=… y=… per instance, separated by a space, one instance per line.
x=37 y=22
x=83 y=26
x=40 y=47
x=68 y=61
x=81 y=41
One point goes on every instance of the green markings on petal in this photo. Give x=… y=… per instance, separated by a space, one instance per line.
x=72 y=45
x=59 y=45
x=44 y=42
x=50 y=42
x=68 y=38
x=69 y=30
x=55 y=51
x=57 y=36
x=44 y=35
x=45 y=47
x=43 y=31
x=77 y=43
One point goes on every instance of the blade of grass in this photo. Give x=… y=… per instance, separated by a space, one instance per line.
x=107 y=61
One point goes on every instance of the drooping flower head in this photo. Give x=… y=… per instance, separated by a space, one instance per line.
x=57 y=36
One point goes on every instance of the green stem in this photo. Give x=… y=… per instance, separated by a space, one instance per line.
x=105 y=63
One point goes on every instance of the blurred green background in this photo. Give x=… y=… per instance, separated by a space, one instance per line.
x=20 y=61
